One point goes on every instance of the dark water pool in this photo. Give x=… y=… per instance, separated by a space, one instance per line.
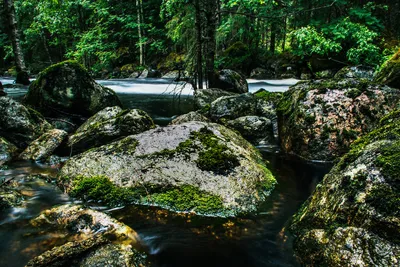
x=172 y=239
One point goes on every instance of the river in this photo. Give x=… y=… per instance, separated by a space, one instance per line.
x=169 y=239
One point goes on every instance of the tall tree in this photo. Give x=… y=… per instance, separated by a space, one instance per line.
x=14 y=35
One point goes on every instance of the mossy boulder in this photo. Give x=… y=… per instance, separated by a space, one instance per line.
x=42 y=148
x=66 y=90
x=204 y=97
x=107 y=125
x=19 y=124
x=7 y=151
x=390 y=72
x=318 y=120
x=231 y=81
x=353 y=216
x=195 y=167
x=98 y=239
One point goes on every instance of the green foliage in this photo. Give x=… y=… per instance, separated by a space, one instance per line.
x=355 y=40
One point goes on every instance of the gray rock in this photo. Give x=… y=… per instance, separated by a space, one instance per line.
x=318 y=120
x=106 y=241
x=260 y=73
x=191 y=116
x=193 y=167
x=42 y=148
x=67 y=90
x=253 y=128
x=7 y=151
x=232 y=81
x=358 y=72
x=327 y=74
x=107 y=125
x=204 y=97
x=19 y=124
x=353 y=217
x=232 y=107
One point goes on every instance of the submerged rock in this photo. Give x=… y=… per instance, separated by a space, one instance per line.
x=191 y=116
x=107 y=125
x=204 y=97
x=390 y=72
x=100 y=241
x=353 y=217
x=42 y=148
x=66 y=90
x=232 y=81
x=7 y=151
x=192 y=167
x=318 y=120
x=19 y=124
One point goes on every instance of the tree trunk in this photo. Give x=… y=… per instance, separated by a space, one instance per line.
x=199 y=45
x=211 y=28
x=14 y=36
x=139 y=23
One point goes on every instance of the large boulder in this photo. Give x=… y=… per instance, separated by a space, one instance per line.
x=390 y=72
x=66 y=90
x=107 y=125
x=356 y=72
x=353 y=217
x=7 y=151
x=232 y=81
x=98 y=240
x=19 y=124
x=318 y=120
x=193 y=167
x=42 y=148
x=204 y=97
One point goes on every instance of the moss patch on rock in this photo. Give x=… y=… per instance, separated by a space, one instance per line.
x=183 y=199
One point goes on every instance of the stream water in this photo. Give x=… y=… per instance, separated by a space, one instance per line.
x=170 y=239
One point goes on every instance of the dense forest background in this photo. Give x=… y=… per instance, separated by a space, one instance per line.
x=198 y=35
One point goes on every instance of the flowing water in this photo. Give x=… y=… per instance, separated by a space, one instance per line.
x=170 y=239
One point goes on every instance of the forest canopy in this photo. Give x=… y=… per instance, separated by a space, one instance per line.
x=197 y=36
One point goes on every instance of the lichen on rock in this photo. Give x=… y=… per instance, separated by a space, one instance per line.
x=353 y=217
x=318 y=120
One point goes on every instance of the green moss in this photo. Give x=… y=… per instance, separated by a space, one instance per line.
x=309 y=119
x=53 y=68
x=273 y=97
x=389 y=161
x=101 y=188
x=183 y=198
x=385 y=199
x=214 y=155
x=268 y=183
x=188 y=198
x=217 y=157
